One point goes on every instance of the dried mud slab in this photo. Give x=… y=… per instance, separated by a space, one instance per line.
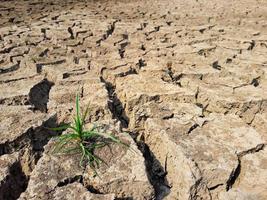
x=204 y=159
x=124 y=175
x=250 y=183
x=92 y=91
x=16 y=93
x=20 y=128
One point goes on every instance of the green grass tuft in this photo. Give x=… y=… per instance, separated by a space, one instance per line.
x=77 y=140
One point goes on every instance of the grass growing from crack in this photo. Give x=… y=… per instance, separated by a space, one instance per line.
x=77 y=140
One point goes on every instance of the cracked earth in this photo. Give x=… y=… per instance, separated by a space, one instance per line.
x=185 y=79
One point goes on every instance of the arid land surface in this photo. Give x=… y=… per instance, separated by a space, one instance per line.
x=184 y=82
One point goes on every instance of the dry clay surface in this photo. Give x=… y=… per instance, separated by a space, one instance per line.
x=182 y=82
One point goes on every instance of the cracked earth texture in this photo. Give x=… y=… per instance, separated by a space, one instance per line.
x=185 y=78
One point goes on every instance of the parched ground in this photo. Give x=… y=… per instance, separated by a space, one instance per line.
x=186 y=79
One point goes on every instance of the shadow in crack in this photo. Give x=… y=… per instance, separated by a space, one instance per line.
x=15 y=183
x=156 y=173
x=115 y=105
x=39 y=95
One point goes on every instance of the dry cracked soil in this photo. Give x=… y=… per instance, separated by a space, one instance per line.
x=184 y=79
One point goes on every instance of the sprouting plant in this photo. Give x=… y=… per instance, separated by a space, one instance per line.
x=77 y=140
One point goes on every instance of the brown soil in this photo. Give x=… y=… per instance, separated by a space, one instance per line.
x=185 y=78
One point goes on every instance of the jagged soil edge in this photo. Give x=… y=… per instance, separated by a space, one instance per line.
x=28 y=144
x=155 y=172
x=30 y=151
x=15 y=183
x=236 y=172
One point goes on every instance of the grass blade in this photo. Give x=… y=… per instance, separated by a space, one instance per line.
x=78 y=117
x=83 y=141
x=85 y=114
